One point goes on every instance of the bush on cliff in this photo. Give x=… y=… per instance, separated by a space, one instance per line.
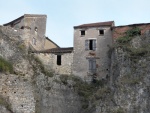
x=5 y=66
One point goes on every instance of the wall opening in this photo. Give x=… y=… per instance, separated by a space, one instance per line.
x=90 y=44
x=101 y=32
x=34 y=41
x=82 y=32
x=58 y=59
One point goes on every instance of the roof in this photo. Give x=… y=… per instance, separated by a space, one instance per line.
x=25 y=15
x=130 y=25
x=57 y=50
x=52 y=42
x=98 y=24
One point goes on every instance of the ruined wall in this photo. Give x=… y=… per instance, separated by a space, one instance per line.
x=119 y=31
x=34 y=28
x=37 y=23
x=80 y=63
x=50 y=61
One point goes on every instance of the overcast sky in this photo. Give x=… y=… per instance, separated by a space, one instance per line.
x=62 y=15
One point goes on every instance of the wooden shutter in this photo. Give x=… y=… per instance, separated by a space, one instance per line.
x=86 y=45
x=94 y=45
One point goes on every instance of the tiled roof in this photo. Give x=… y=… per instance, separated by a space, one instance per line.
x=52 y=42
x=108 y=23
x=57 y=50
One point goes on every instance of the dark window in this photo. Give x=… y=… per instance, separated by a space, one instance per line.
x=58 y=59
x=101 y=32
x=82 y=32
x=92 y=65
x=90 y=44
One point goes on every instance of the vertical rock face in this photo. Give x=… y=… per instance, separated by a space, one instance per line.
x=30 y=89
x=56 y=97
x=129 y=80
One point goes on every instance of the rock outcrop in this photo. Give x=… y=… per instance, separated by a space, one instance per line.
x=30 y=88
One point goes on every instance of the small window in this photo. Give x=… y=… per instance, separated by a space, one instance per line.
x=101 y=32
x=82 y=32
x=36 y=29
x=34 y=41
x=90 y=44
x=92 y=65
x=58 y=59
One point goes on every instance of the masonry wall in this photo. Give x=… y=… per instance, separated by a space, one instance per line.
x=50 y=62
x=120 y=30
x=34 y=28
x=49 y=44
x=37 y=33
x=80 y=61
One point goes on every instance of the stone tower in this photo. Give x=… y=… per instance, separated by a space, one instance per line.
x=34 y=27
x=91 y=46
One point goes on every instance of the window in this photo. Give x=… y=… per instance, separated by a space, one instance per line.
x=34 y=41
x=82 y=32
x=101 y=32
x=90 y=44
x=36 y=29
x=58 y=59
x=92 y=65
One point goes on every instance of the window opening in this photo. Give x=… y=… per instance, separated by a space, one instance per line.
x=101 y=32
x=58 y=59
x=90 y=44
x=34 y=41
x=82 y=32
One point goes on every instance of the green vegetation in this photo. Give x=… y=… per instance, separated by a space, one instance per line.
x=41 y=66
x=130 y=79
x=119 y=110
x=21 y=46
x=5 y=66
x=129 y=35
x=87 y=91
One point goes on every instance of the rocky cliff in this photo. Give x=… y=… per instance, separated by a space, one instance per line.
x=29 y=88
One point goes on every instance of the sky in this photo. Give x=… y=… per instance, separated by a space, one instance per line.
x=63 y=15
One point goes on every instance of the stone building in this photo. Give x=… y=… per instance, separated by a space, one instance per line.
x=91 y=45
x=34 y=28
x=89 y=57
x=59 y=60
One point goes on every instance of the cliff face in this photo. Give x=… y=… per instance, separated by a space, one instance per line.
x=129 y=79
x=29 y=88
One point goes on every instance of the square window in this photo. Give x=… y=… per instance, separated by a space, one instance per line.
x=82 y=32
x=101 y=32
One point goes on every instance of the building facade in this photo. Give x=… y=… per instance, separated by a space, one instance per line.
x=34 y=27
x=91 y=46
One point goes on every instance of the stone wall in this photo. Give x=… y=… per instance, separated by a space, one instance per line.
x=80 y=61
x=50 y=61
x=119 y=31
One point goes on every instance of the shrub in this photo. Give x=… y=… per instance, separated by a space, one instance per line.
x=129 y=35
x=43 y=70
x=5 y=66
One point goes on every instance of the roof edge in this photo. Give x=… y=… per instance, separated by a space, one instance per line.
x=25 y=15
x=52 y=42
x=107 y=23
x=138 y=24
